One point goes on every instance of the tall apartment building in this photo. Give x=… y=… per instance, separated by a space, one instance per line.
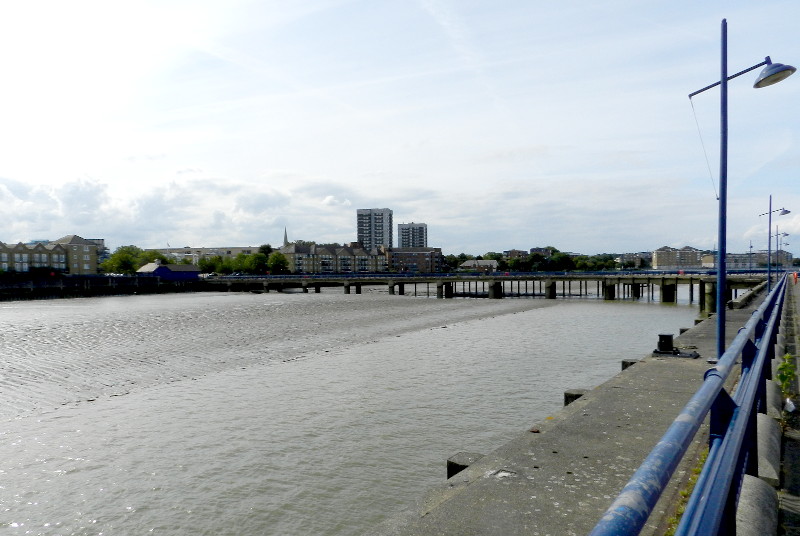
x=374 y=227
x=412 y=235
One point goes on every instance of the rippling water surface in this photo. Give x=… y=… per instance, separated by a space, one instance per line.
x=286 y=414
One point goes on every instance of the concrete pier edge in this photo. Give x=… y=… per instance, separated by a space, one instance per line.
x=560 y=475
x=789 y=492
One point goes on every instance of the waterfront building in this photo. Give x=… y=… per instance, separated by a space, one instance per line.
x=374 y=227
x=103 y=252
x=412 y=235
x=71 y=254
x=641 y=259
x=486 y=266
x=81 y=254
x=415 y=259
x=515 y=254
x=685 y=258
x=170 y=272
x=194 y=255
x=544 y=252
x=22 y=257
x=750 y=261
x=310 y=258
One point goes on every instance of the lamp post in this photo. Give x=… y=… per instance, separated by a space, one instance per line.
x=782 y=212
x=778 y=244
x=771 y=74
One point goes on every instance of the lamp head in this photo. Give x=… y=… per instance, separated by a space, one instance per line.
x=784 y=212
x=773 y=73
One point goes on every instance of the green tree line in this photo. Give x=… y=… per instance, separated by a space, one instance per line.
x=128 y=259
x=536 y=262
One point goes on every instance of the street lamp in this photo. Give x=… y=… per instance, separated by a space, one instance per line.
x=778 y=244
x=782 y=212
x=771 y=74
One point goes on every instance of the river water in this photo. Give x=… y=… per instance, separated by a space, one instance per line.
x=286 y=414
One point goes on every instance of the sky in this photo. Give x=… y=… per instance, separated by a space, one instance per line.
x=501 y=124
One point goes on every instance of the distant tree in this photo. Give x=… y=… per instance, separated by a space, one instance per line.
x=561 y=262
x=519 y=264
x=124 y=260
x=452 y=262
x=265 y=249
x=227 y=266
x=257 y=263
x=538 y=262
x=209 y=265
x=148 y=256
x=239 y=262
x=277 y=263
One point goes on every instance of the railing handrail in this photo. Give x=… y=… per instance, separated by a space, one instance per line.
x=629 y=511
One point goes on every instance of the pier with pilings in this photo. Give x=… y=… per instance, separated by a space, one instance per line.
x=655 y=287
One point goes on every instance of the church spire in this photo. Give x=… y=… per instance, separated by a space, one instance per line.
x=285 y=237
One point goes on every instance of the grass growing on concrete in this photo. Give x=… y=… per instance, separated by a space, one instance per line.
x=685 y=493
x=787 y=371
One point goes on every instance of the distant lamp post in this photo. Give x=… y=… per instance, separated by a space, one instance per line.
x=779 y=243
x=781 y=212
x=771 y=74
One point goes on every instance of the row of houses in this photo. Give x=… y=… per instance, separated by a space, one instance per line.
x=69 y=254
x=313 y=258
x=687 y=258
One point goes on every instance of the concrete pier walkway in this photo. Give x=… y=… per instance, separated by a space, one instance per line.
x=789 y=494
x=559 y=476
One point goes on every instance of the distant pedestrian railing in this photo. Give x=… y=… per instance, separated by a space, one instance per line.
x=711 y=507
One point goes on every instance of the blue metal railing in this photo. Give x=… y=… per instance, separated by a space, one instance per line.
x=711 y=507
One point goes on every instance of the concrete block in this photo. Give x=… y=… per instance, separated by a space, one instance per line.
x=458 y=462
x=628 y=363
x=774 y=400
x=757 y=511
x=571 y=395
x=769 y=450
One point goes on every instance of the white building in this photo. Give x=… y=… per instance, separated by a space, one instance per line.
x=412 y=235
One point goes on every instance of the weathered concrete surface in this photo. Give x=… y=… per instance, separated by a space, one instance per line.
x=769 y=449
x=789 y=494
x=757 y=514
x=559 y=477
